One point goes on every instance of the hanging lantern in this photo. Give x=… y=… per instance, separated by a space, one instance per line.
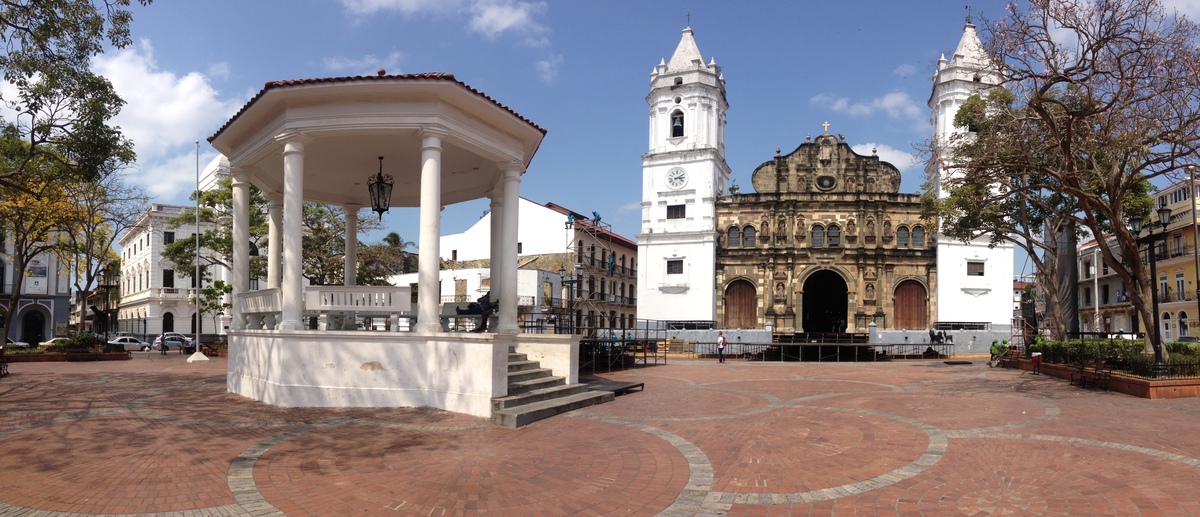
x=380 y=187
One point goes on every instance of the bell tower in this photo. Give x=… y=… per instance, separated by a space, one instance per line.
x=683 y=174
x=974 y=280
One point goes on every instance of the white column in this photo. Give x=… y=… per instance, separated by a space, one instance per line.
x=351 y=272
x=273 y=232
x=428 y=256
x=495 y=236
x=241 y=243
x=292 y=286
x=508 y=247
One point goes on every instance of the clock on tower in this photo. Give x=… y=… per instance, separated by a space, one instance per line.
x=676 y=178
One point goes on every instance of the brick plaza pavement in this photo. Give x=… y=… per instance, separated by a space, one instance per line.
x=158 y=436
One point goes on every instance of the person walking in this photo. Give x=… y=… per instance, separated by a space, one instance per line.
x=721 y=341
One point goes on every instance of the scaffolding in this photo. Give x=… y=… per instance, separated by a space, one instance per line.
x=592 y=302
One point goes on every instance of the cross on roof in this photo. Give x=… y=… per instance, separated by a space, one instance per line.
x=826 y=126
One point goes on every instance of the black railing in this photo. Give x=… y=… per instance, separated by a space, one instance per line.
x=1124 y=352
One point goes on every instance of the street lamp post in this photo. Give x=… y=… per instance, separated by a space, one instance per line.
x=562 y=274
x=1164 y=217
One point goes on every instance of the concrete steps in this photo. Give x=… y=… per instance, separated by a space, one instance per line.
x=534 y=393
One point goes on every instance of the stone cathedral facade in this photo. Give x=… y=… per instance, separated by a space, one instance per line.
x=825 y=243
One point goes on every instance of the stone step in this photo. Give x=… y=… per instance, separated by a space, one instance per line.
x=529 y=413
x=519 y=387
x=537 y=395
x=530 y=374
x=513 y=356
x=516 y=366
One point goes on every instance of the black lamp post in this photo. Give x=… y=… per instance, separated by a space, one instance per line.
x=1160 y=370
x=100 y=316
x=562 y=274
x=380 y=187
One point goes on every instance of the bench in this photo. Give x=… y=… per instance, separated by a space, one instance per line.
x=1095 y=374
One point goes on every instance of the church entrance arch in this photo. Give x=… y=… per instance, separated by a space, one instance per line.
x=33 y=327
x=741 y=307
x=912 y=306
x=825 y=302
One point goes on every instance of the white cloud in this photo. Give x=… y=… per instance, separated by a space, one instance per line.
x=1189 y=7
x=901 y=159
x=547 y=69
x=495 y=17
x=366 y=65
x=896 y=104
x=904 y=70
x=164 y=115
x=219 y=70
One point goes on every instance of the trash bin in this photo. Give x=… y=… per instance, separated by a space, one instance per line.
x=1037 y=363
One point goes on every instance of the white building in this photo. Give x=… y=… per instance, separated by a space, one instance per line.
x=541 y=230
x=974 y=281
x=682 y=175
x=45 y=303
x=604 y=263
x=155 y=296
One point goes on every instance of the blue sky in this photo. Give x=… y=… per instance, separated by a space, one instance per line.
x=579 y=69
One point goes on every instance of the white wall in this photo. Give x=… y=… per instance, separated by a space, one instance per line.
x=540 y=231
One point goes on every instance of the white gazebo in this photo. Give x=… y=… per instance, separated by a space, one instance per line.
x=322 y=140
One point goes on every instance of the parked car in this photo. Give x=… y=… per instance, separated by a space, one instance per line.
x=1188 y=339
x=130 y=343
x=53 y=341
x=172 y=341
x=16 y=345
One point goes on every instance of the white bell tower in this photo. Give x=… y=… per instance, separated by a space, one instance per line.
x=683 y=174
x=974 y=281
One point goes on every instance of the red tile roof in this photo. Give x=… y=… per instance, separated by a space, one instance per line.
x=381 y=76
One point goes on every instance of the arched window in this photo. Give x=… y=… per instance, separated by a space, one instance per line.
x=918 y=237
x=579 y=253
x=748 y=237
x=818 y=236
x=1166 y=326
x=835 y=236
x=676 y=124
x=735 y=238
x=901 y=237
x=1184 y=329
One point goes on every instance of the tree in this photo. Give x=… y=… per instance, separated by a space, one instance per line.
x=378 y=262
x=324 y=242
x=1102 y=102
x=214 y=300
x=106 y=208
x=35 y=216
x=216 y=213
x=62 y=108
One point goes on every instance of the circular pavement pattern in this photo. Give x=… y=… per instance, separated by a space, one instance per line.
x=902 y=438
x=366 y=470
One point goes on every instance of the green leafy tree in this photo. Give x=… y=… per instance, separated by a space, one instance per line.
x=324 y=242
x=391 y=256
x=216 y=241
x=1103 y=100
x=61 y=109
x=214 y=300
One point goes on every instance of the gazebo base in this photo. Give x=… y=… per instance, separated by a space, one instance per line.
x=460 y=372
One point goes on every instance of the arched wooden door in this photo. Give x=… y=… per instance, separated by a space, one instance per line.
x=912 y=306
x=741 y=306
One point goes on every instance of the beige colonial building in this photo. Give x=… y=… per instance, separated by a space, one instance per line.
x=825 y=243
